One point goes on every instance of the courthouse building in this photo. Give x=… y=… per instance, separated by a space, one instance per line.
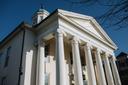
x=61 y=48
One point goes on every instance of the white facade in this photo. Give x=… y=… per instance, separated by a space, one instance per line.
x=66 y=48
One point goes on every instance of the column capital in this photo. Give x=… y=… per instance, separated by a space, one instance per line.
x=87 y=45
x=105 y=55
x=41 y=42
x=60 y=32
x=75 y=39
x=97 y=50
x=113 y=58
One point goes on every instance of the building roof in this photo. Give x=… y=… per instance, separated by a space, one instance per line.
x=21 y=26
x=122 y=54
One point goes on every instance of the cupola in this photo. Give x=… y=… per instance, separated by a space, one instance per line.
x=40 y=15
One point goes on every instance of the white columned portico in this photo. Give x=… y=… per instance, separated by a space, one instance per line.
x=60 y=59
x=90 y=67
x=102 y=80
x=115 y=71
x=40 y=64
x=108 y=70
x=77 y=62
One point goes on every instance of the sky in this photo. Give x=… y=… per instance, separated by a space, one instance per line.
x=13 y=12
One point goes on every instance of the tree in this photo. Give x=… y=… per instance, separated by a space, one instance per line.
x=117 y=14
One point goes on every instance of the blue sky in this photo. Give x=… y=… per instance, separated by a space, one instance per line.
x=13 y=12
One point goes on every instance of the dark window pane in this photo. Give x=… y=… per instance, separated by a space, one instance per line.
x=47 y=48
x=7 y=56
x=3 y=81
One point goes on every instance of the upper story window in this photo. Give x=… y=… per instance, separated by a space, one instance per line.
x=34 y=21
x=3 y=81
x=0 y=57
x=7 y=56
x=1 y=54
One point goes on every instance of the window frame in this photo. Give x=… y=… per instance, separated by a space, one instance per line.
x=7 y=56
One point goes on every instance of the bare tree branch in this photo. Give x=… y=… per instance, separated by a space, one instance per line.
x=116 y=15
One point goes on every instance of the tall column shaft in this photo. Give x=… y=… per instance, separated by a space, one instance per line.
x=28 y=68
x=115 y=72
x=108 y=70
x=40 y=73
x=77 y=63
x=60 y=60
x=100 y=69
x=90 y=66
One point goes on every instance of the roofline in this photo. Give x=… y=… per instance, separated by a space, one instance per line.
x=119 y=55
x=103 y=31
x=23 y=25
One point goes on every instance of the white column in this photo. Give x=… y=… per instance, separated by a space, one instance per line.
x=108 y=70
x=28 y=68
x=100 y=69
x=90 y=67
x=60 y=59
x=115 y=71
x=77 y=62
x=40 y=60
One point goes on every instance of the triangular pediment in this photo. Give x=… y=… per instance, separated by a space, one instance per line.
x=89 y=24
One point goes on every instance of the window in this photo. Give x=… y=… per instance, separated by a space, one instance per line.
x=34 y=20
x=0 y=57
x=7 y=56
x=3 y=81
x=47 y=50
